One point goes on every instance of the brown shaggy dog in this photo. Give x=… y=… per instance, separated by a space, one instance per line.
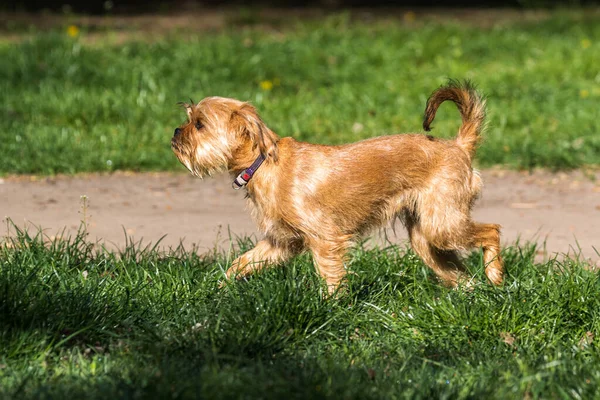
x=321 y=198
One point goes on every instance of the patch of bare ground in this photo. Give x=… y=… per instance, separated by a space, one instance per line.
x=559 y=211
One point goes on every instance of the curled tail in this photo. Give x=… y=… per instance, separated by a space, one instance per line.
x=472 y=110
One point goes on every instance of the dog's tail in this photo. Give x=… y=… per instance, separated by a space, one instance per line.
x=471 y=106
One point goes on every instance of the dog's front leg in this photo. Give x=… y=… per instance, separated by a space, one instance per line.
x=263 y=254
x=329 y=259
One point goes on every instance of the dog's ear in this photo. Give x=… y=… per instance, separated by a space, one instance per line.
x=189 y=108
x=248 y=122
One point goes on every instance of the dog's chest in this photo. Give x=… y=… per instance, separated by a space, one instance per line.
x=268 y=215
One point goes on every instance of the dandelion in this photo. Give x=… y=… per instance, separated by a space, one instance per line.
x=585 y=43
x=266 y=85
x=583 y=93
x=73 y=31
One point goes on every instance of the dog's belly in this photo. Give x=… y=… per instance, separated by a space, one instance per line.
x=372 y=212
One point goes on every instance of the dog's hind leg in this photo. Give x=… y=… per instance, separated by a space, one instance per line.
x=487 y=236
x=265 y=253
x=445 y=263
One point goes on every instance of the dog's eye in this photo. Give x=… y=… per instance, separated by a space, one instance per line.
x=199 y=125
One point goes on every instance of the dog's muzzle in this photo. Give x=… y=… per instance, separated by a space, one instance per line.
x=174 y=139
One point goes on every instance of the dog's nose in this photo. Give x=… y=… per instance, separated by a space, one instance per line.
x=177 y=132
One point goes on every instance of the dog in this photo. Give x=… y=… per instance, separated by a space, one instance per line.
x=322 y=198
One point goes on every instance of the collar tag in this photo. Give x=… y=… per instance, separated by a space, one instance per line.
x=242 y=179
x=240 y=182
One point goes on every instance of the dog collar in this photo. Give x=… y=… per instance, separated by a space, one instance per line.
x=244 y=176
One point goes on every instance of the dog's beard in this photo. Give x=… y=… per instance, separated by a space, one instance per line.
x=205 y=159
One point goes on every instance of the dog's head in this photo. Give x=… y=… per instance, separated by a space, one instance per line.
x=218 y=131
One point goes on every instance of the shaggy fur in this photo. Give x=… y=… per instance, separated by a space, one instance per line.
x=321 y=198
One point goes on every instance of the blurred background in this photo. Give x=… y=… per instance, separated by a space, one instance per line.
x=94 y=86
x=137 y=6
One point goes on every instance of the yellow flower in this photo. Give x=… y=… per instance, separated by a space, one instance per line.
x=584 y=93
x=585 y=43
x=266 y=85
x=73 y=31
x=409 y=16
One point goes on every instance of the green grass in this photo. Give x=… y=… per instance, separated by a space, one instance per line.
x=77 y=321
x=71 y=105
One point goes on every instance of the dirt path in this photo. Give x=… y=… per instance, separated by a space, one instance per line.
x=561 y=209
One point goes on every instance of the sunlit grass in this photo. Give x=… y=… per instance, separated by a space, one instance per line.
x=78 y=321
x=70 y=106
